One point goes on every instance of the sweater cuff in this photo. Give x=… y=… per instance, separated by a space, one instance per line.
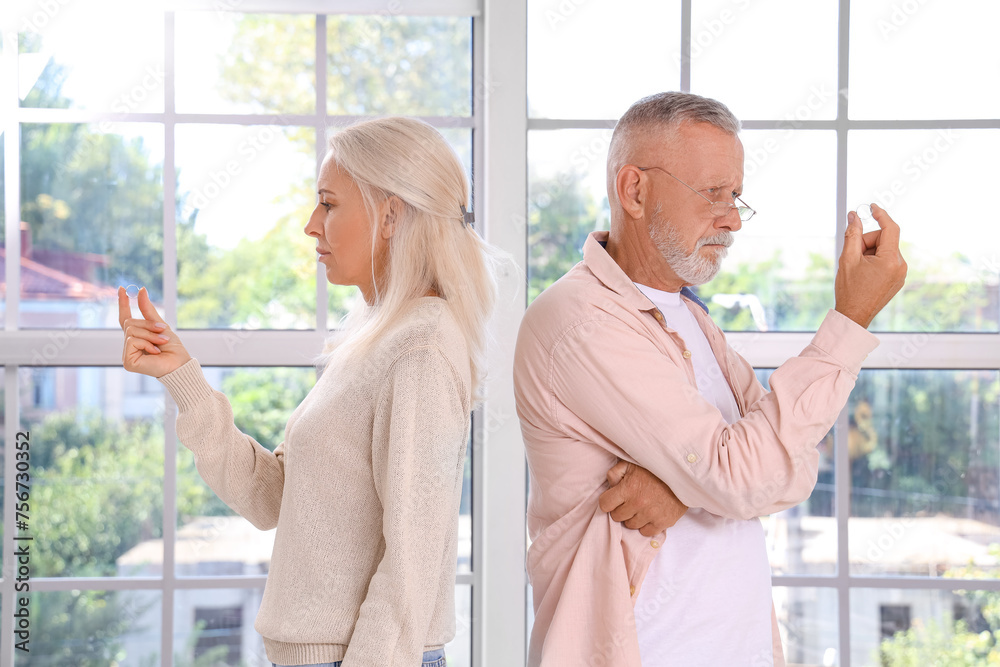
x=187 y=385
x=845 y=340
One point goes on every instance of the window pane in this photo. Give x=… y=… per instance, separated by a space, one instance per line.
x=580 y=66
x=760 y=37
x=215 y=627
x=245 y=194
x=69 y=50
x=459 y=649
x=929 y=181
x=97 y=470
x=245 y=63
x=3 y=450
x=897 y=48
x=894 y=628
x=93 y=628
x=924 y=467
x=211 y=539
x=92 y=198
x=803 y=538
x=779 y=272
x=567 y=199
x=808 y=622
x=410 y=65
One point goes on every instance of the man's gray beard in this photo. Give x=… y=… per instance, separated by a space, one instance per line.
x=692 y=268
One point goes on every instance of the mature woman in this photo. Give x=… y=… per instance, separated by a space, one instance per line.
x=364 y=490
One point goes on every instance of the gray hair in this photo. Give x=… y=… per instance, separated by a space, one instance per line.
x=664 y=112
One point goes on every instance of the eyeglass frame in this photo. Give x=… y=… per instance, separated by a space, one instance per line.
x=729 y=206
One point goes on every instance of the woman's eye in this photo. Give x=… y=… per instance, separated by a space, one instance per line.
x=325 y=205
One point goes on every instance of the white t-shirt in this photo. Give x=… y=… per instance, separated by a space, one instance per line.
x=706 y=599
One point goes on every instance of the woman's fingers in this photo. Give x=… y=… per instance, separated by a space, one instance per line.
x=139 y=331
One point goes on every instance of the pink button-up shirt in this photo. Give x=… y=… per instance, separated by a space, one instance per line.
x=599 y=377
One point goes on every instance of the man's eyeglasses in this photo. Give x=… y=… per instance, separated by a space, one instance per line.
x=719 y=208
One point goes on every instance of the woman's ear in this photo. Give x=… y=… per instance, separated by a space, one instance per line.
x=390 y=215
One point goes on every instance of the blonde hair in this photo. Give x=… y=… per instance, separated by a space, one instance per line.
x=431 y=247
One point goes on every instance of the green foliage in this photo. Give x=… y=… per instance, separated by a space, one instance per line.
x=82 y=628
x=264 y=398
x=561 y=214
x=953 y=644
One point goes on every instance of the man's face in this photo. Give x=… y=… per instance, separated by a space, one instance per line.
x=691 y=238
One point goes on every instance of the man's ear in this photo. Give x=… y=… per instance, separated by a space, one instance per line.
x=630 y=185
x=391 y=212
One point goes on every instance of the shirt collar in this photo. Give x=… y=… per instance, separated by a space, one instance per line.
x=606 y=269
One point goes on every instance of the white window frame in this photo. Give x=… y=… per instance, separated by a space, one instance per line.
x=499 y=45
x=972 y=351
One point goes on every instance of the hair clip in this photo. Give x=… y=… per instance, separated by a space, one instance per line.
x=468 y=217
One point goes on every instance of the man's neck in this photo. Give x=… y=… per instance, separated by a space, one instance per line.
x=641 y=262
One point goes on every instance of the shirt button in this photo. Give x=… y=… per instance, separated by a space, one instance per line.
x=631 y=590
x=686 y=354
x=654 y=544
x=692 y=458
x=658 y=315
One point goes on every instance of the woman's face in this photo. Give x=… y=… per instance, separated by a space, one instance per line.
x=343 y=231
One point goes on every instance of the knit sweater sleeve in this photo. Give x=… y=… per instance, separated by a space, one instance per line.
x=244 y=474
x=418 y=451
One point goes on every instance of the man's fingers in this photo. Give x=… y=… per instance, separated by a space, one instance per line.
x=889 y=239
x=870 y=241
x=611 y=499
x=618 y=472
x=124 y=309
x=146 y=306
x=853 y=239
x=624 y=513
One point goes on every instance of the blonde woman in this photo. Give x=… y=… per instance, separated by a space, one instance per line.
x=365 y=488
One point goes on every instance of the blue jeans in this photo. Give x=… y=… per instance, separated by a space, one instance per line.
x=433 y=658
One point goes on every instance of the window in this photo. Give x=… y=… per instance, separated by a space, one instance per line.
x=191 y=171
x=836 y=112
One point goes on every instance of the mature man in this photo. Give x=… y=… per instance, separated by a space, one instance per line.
x=619 y=367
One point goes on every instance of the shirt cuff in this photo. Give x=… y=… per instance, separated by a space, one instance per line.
x=187 y=385
x=845 y=340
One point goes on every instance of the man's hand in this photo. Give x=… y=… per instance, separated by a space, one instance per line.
x=640 y=500
x=871 y=268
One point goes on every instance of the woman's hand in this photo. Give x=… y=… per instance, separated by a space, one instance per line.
x=151 y=348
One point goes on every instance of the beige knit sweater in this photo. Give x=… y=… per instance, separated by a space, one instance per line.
x=364 y=492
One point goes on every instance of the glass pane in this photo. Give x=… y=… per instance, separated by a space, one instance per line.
x=245 y=63
x=578 y=66
x=898 y=628
x=567 y=199
x=779 y=273
x=803 y=539
x=409 y=65
x=3 y=449
x=459 y=649
x=929 y=181
x=69 y=50
x=92 y=198
x=96 y=470
x=211 y=539
x=214 y=626
x=898 y=48
x=807 y=620
x=760 y=37
x=924 y=448
x=92 y=628
x=465 y=516
x=244 y=196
